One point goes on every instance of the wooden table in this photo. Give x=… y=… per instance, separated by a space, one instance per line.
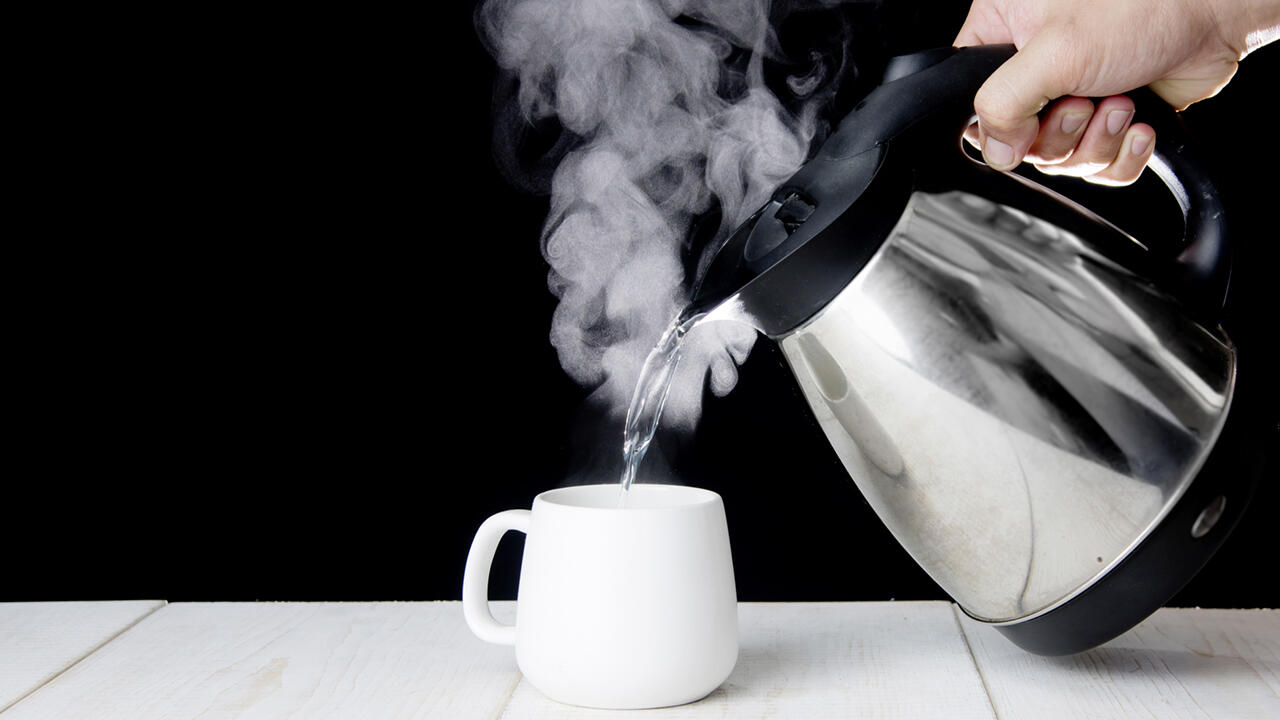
x=149 y=659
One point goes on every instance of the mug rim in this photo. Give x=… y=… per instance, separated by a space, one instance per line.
x=604 y=496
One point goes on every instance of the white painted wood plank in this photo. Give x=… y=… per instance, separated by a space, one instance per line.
x=824 y=660
x=38 y=640
x=249 y=661
x=1179 y=663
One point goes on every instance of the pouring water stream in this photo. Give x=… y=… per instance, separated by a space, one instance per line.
x=654 y=384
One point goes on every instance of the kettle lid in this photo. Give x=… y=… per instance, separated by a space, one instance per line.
x=822 y=226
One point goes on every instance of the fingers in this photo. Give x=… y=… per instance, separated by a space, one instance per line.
x=1132 y=157
x=1009 y=102
x=1061 y=129
x=1106 y=150
x=1099 y=144
x=1073 y=137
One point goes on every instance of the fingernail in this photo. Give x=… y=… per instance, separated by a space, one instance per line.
x=1072 y=122
x=1117 y=119
x=1140 y=144
x=997 y=154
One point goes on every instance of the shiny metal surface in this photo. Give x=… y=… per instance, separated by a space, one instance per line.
x=1018 y=409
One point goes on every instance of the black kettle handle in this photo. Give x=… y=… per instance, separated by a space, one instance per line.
x=948 y=78
x=1203 y=268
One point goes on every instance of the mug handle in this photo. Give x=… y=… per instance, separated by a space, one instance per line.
x=475 y=579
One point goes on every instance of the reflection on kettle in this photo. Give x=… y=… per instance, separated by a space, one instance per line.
x=848 y=410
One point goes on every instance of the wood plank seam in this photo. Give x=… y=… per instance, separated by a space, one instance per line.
x=81 y=658
x=511 y=691
x=955 y=615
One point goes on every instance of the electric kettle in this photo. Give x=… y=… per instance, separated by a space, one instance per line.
x=1036 y=405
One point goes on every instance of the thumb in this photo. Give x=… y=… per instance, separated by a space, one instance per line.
x=1008 y=102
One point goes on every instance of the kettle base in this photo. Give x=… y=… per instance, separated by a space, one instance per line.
x=1165 y=560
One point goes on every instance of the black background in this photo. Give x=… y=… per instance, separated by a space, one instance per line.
x=303 y=351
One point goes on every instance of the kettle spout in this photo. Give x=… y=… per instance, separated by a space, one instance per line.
x=730 y=309
x=717 y=291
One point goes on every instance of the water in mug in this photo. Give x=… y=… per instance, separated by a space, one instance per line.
x=650 y=395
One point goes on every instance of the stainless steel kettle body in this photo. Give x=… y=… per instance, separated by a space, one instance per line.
x=1032 y=403
x=1019 y=409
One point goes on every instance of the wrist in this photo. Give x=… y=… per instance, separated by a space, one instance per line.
x=1248 y=24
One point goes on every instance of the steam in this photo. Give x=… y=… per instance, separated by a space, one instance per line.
x=669 y=102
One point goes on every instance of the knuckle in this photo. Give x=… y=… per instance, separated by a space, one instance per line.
x=995 y=108
x=1100 y=150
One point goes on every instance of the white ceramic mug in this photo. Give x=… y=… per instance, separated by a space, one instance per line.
x=618 y=607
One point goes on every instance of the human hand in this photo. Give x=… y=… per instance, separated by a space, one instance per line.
x=1184 y=50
